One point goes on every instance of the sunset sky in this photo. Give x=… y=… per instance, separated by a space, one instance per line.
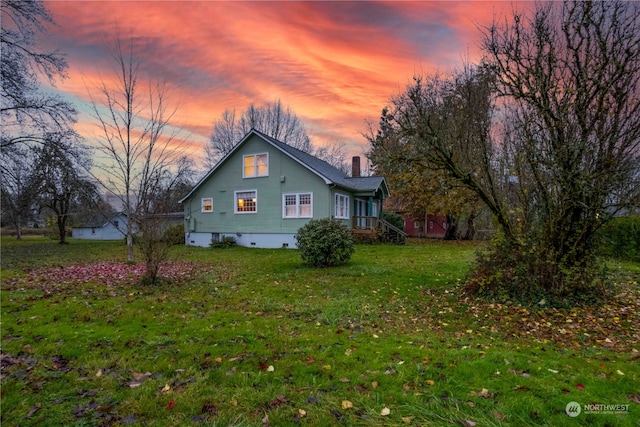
x=334 y=63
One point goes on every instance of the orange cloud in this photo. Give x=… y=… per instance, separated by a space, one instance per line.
x=335 y=63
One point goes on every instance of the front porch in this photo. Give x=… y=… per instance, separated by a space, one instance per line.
x=373 y=229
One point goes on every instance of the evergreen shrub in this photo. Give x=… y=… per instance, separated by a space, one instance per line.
x=325 y=243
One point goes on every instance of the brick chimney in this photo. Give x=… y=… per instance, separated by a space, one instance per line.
x=355 y=166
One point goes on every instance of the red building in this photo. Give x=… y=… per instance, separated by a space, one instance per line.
x=434 y=226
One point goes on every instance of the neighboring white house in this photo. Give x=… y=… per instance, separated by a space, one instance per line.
x=105 y=228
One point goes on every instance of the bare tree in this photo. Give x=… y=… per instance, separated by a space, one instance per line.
x=18 y=195
x=274 y=120
x=26 y=113
x=140 y=147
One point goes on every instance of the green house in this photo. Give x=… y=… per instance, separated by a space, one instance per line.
x=263 y=191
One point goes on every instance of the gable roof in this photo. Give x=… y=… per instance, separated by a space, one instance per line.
x=330 y=174
x=100 y=220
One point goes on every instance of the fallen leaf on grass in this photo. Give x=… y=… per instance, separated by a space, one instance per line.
x=278 y=401
x=171 y=404
x=498 y=416
x=431 y=382
x=347 y=404
x=209 y=409
x=634 y=398
x=407 y=420
x=129 y=419
x=579 y=386
x=467 y=423
x=483 y=393
x=619 y=372
x=33 y=410
x=385 y=411
x=140 y=377
x=374 y=384
x=166 y=388
x=302 y=413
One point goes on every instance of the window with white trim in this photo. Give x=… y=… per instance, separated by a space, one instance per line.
x=255 y=165
x=298 y=205
x=342 y=206
x=207 y=205
x=246 y=201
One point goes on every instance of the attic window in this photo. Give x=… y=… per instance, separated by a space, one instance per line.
x=255 y=165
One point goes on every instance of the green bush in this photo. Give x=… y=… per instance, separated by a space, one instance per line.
x=225 y=242
x=393 y=219
x=325 y=243
x=174 y=235
x=620 y=238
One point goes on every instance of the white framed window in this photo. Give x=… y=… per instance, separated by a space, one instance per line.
x=255 y=165
x=207 y=205
x=416 y=224
x=342 y=206
x=246 y=201
x=298 y=205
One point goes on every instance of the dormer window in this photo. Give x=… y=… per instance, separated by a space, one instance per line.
x=255 y=165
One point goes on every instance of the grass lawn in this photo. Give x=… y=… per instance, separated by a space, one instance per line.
x=251 y=337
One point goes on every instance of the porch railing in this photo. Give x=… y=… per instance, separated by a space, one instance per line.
x=364 y=222
x=383 y=229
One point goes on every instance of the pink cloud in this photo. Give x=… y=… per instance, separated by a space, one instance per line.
x=335 y=63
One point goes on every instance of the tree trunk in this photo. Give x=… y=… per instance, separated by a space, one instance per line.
x=452 y=227
x=471 y=227
x=19 y=229
x=129 y=245
x=62 y=222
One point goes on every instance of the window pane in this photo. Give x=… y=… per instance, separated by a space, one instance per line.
x=263 y=165
x=305 y=205
x=290 y=211
x=207 y=205
x=246 y=201
x=290 y=208
x=342 y=206
x=305 y=210
x=249 y=166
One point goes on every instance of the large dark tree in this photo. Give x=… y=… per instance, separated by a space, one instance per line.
x=547 y=133
x=27 y=114
x=59 y=181
x=418 y=187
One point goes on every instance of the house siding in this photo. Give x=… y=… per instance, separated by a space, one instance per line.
x=285 y=176
x=105 y=232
